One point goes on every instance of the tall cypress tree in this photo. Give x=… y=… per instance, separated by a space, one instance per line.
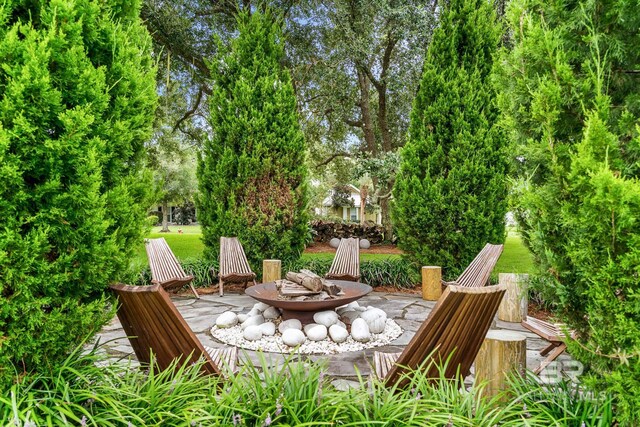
x=77 y=97
x=252 y=172
x=450 y=193
x=571 y=101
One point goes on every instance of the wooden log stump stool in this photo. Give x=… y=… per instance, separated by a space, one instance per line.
x=513 y=307
x=271 y=270
x=431 y=283
x=501 y=354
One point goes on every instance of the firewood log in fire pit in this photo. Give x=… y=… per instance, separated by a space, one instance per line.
x=307 y=284
x=291 y=289
x=306 y=278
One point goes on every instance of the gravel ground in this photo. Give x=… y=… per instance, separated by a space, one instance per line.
x=233 y=336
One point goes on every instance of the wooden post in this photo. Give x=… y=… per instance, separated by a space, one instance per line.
x=431 y=283
x=513 y=307
x=501 y=353
x=271 y=270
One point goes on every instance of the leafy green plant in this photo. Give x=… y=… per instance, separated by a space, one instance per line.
x=252 y=171
x=398 y=272
x=203 y=272
x=77 y=98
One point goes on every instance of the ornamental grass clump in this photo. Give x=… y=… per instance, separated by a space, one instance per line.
x=88 y=390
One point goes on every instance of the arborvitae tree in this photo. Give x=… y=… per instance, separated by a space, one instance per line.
x=450 y=194
x=571 y=102
x=77 y=96
x=252 y=172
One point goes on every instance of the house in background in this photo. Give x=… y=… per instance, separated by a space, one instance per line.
x=347 y=212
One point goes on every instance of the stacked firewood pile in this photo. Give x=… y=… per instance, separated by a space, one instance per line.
x=323 y=231
x=306 y=285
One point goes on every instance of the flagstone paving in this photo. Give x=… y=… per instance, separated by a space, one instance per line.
x=408 y=311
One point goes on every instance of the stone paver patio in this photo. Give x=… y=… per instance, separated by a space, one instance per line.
x=409 y=311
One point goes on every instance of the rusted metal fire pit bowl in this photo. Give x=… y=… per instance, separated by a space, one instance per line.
x=304 y=310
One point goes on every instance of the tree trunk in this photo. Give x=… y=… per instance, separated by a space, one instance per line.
x=165 y=217
x=364 y=190
x=385 y=212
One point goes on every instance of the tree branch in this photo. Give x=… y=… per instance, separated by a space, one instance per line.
x=164 y=36
x=331 y=158
x=354 y=123
x=367 y=71
x=191 y=111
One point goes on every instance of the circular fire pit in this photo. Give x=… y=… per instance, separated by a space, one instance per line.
x=304 y=310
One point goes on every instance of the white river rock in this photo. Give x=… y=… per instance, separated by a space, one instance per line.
x=308 y=326
x=268 y=329
x=252 y=333
x=260 y=306
x=293 y=337
x=227 y=320
x=338 y=334
x=271 y=313
x=290 y=324
x=326 y=318
x=253 y=321
x=376 y=326
x=376 y=319
x=316 y=332
x=360 y=331
x=351 y=315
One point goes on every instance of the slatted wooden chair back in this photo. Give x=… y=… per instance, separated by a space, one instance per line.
x=346 y=263
x=478 y=273
x=234 y=266
x=453 y=332
x=153 y=323
x=165 y=267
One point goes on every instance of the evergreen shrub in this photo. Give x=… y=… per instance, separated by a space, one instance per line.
x=450 y=193
x=77 y=98
x=252 y=172
x=571 y=105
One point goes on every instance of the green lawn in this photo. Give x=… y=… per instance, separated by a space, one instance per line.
x=515 y=258
x=184 y=246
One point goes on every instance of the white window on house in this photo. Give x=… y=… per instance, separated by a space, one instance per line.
x=353 y=214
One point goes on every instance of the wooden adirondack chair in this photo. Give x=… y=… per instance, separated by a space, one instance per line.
x=153 y=324
x=234 y=267
x=479 y=271
x=165 y=267
x=552 y=332
x=454 y=330
x=346 y=263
